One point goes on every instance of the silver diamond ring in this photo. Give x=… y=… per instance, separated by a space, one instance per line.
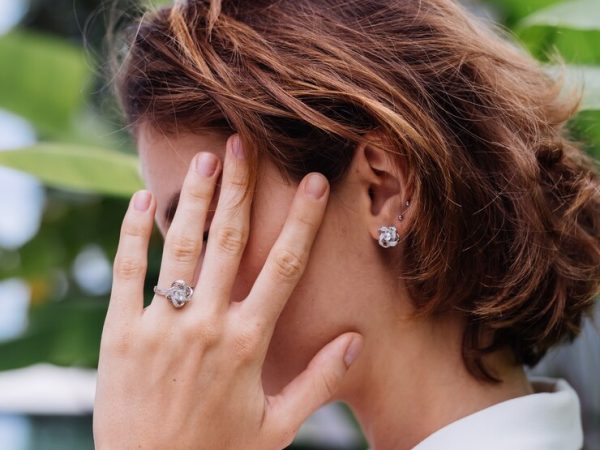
x=179 y=293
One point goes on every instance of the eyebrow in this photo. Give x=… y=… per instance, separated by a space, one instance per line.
x=172 y=207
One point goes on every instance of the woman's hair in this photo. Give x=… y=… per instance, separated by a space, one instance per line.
x=506 y=219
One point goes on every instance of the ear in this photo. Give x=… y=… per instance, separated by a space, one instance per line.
x=383 y=178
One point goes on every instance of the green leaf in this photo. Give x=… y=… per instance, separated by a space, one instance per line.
x=586 y=77
x=591 y=84
x=512 y=11
x=74 y=167
x=42 y=79
x=586 y=128
x=572 y=28
x=574 y=14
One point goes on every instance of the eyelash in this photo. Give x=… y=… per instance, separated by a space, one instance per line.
x=170 y=214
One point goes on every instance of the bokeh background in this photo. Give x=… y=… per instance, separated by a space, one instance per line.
x=67 y=169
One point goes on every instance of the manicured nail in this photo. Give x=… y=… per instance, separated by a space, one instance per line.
x=141 y=200
x=316 y=185
x=353 y=350
x=206 y=164
x=237 y=147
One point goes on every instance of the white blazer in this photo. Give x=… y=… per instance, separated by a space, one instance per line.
x=548 y=419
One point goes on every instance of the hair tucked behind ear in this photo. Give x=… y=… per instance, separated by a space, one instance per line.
x=506 y=207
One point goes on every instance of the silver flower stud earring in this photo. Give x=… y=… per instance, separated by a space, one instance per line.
x=388 y=236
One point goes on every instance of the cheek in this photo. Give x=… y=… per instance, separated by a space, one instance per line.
x=269 y=212
x=321 y=306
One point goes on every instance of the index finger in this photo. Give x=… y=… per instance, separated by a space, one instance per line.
x=288 y=256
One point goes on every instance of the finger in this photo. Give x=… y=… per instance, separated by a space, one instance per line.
x=131 y=260
x=184 y=240
x=228 y=233
x=318 y=383
x=288 y=256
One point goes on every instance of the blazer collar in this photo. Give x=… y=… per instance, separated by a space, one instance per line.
x=548 y=419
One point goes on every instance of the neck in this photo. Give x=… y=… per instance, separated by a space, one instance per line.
x=411 y=381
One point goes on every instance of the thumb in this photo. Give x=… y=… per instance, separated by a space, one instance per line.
x=319 y=381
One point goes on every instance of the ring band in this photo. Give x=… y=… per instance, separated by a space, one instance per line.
x=179 y=293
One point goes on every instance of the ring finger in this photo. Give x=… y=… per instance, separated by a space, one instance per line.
x=183 y=242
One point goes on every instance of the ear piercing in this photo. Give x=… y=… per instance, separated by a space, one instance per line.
x=388 y=236
x=401 y=215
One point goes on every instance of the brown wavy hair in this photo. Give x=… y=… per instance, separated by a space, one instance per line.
x=507 y=207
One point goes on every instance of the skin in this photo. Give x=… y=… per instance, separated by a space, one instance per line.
x=408 y=375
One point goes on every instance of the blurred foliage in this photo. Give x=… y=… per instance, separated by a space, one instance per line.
x=63 y=333
x=510 y=12
x=47 y=78
x=78 y=168
x=52 y=98
x=571 y=28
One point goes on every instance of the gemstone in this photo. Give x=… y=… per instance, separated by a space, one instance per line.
x=179 y=293
x=388 y=236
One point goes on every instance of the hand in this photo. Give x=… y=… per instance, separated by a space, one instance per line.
x=190 y=378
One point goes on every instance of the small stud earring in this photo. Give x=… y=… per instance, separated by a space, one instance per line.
x=388 y=236
x=401 y=215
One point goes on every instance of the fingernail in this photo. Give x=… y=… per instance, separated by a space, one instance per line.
x=206 y=164
x=316 y=185
x=353 y=350
x=237 y=147
x=141 y=200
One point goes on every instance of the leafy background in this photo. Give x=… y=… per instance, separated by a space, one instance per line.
x=49 y=76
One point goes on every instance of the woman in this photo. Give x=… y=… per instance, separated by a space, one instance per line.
x=396 y=218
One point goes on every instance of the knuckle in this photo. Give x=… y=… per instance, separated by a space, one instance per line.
x=152 y=342
x=245 y=344
x=288 y=265
x=329 y=382
x=183 y=248
x=209 y=333
x=199 y=194
x=306 y=218
x=231 y=240
x=153 y=336
x=132 y=228
x=117 y=343
x=236 y=176
x=238 y=183
x=127 y=268
x=202 y=329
